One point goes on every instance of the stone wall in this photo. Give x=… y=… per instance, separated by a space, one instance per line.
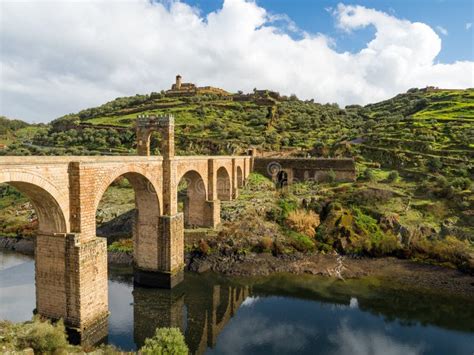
x=304 y=169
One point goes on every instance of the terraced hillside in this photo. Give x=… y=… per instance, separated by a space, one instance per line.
x=415 y=159
x=421 y=131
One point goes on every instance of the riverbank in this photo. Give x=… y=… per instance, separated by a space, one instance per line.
x=410 y=273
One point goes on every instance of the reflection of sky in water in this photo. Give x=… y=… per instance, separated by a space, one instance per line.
x=262 y=325
x=17 y=287
x=282 y=325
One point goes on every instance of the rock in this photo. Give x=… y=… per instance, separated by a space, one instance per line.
x=199 y=265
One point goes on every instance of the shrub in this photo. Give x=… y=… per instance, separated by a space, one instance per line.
x=265 y=244
x=461 y=183
x=165 y=341
x=369 y=175
x=257 y=182
x=278 y=248
x=393 y=176
x=332 y=176
x=122 y=245
x=286 y=206
x=301 y=242
x=204 y=248
x=304 y=222
x=449 y=249
x=369 y=237
x=44 y=337
x=434 y=164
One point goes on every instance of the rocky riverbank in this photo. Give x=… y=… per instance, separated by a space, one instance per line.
x=409 y=273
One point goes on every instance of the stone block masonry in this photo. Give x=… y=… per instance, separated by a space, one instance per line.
x=71 y=262
x=305 y=169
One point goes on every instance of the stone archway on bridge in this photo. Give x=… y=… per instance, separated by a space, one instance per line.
x=146 y=228
x=51 y=209
x=192 y=199
x=50 y=205
x=224 y=190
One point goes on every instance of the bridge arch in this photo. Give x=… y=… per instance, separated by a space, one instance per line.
x=146 y=227
x=224 y=191
x=192 y=195
x=240 y=177
x=51 y=206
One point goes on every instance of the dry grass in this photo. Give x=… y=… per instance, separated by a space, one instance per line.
x=303 y=221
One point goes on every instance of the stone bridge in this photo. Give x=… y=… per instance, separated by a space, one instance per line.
x=71 y=262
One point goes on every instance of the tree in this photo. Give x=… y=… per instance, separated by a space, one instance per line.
x=434 y=164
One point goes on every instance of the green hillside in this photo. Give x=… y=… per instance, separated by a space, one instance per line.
x=421 y=131
x=415 y=163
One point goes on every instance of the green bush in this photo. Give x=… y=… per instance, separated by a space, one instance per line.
x=44 y=337
x=461 y=183
x=166 y=341
x=301 y=242
x=393 y=176
x=122 y=245
x=434 y=164
x=369 y=175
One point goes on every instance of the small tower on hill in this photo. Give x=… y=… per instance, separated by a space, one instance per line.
x=178 y=82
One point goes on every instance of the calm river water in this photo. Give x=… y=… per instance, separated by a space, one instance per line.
x=272 y=315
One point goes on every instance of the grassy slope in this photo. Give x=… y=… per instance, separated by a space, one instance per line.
x=402 y=133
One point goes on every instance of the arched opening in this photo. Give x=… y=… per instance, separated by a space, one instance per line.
x=223 y=185
x=128 y=216
x=34 y=213
x=282 y=179
x=155 y=140
x=192 y=199
x=44 y=211
x=240 y=177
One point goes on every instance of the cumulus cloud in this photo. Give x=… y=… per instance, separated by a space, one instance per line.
x=259 y=331
x=60 y=57
x=468 y=26
x=359 y=342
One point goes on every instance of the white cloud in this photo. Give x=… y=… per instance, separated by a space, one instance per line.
x=358 y=342
x=258 y=331
x=60 y=57
x=442 y=30
x=468 y=26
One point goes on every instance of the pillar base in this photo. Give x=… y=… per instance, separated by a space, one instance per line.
x=157 y=279
x=95 y=334
x=213 y=213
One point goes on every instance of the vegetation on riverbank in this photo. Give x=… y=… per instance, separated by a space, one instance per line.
x=40 y=336
x=376 y=217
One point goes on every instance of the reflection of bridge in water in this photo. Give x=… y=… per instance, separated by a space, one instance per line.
x=201 y=317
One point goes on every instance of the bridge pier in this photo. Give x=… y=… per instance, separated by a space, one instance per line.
x=170 y=269
x=71 y=280
x=212 y=213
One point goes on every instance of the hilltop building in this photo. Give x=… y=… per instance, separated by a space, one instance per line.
x=190 y=89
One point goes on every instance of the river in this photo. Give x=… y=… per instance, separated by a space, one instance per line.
x=281 y=314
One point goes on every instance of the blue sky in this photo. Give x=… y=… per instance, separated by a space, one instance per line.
x=312 y=16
